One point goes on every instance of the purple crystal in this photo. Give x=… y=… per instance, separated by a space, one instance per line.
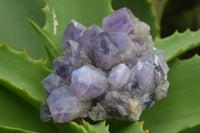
x=63 y=66
x=119 y=21
x=52 y=82
x=45 y=114
x=73 y=32
x=106 y=53
x=107 y=73
x=119 y=76
x=142 y=78
x=87 y=41
x=71 y=48
x=88 y=82
x=120 y=40
x=63 y=108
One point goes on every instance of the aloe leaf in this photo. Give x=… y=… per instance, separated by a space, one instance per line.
x=100 y=127
x=181 y=107
x=71 y=127
x=141 y=9
x=59 y=13
x=16 y=31
x=52 y=50
x=178 y=43
x=158 y=6
x=191 y=129
x=190 y=17
x=119 y=126
x=4 y=129
x=23 y=73
x=172 y=9
x=17 y=113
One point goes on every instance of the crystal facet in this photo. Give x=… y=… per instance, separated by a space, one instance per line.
x=74 y=31
x=88 y=83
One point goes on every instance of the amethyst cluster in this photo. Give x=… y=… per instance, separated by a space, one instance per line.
x=104 y=73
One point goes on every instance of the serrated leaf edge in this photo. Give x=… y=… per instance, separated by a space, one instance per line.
x=15 y=129
x=191 y=45
x=52 y=50
x=188 y=127
x=21 y=92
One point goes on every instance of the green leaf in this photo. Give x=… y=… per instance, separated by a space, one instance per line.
x=20 y=73
x=119 y=126
x=190 y=17
x=59 y=13
x=191 y=129
x=17 y=113
x=16 y=31
x=158 y=6
x=178 y=43
x=100 y=127
x=4 y=129
x=174 y=8
x=181 y=107
x=141 y=9
x=52 y=50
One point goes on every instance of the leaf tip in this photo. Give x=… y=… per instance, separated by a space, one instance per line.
x=81 y=126
x=176 y=31
x=142 y=123
x=23 y=89
x=41 y=60
x=24 y=51
x=43 y=28
x=5 y=44
x=83 y=120
x=43 y=10
x=181 y=50
x=190 y=126
x=72 y=123
x=43 y=45
x=108 y=126
x=26 y=18
x=5 y=80
x=188 y=29
x=39 y=100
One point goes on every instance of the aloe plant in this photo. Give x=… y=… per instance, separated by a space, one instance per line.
x=21 y=93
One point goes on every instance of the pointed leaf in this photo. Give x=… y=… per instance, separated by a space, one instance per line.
x=17 y=113
x=59 y=13
x=141 y=9
x=13 y=130
x=158 y=6
x=118 y=126
x=181 y=107
x=100 y=127
x=22 y=72
x=71 y=127
x=16 y=31
x=178 y=43
x=52 y=50
x=191 y=129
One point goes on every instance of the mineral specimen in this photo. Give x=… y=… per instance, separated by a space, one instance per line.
x=105 y=73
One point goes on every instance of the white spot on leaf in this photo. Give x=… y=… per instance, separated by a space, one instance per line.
x=55 y=22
